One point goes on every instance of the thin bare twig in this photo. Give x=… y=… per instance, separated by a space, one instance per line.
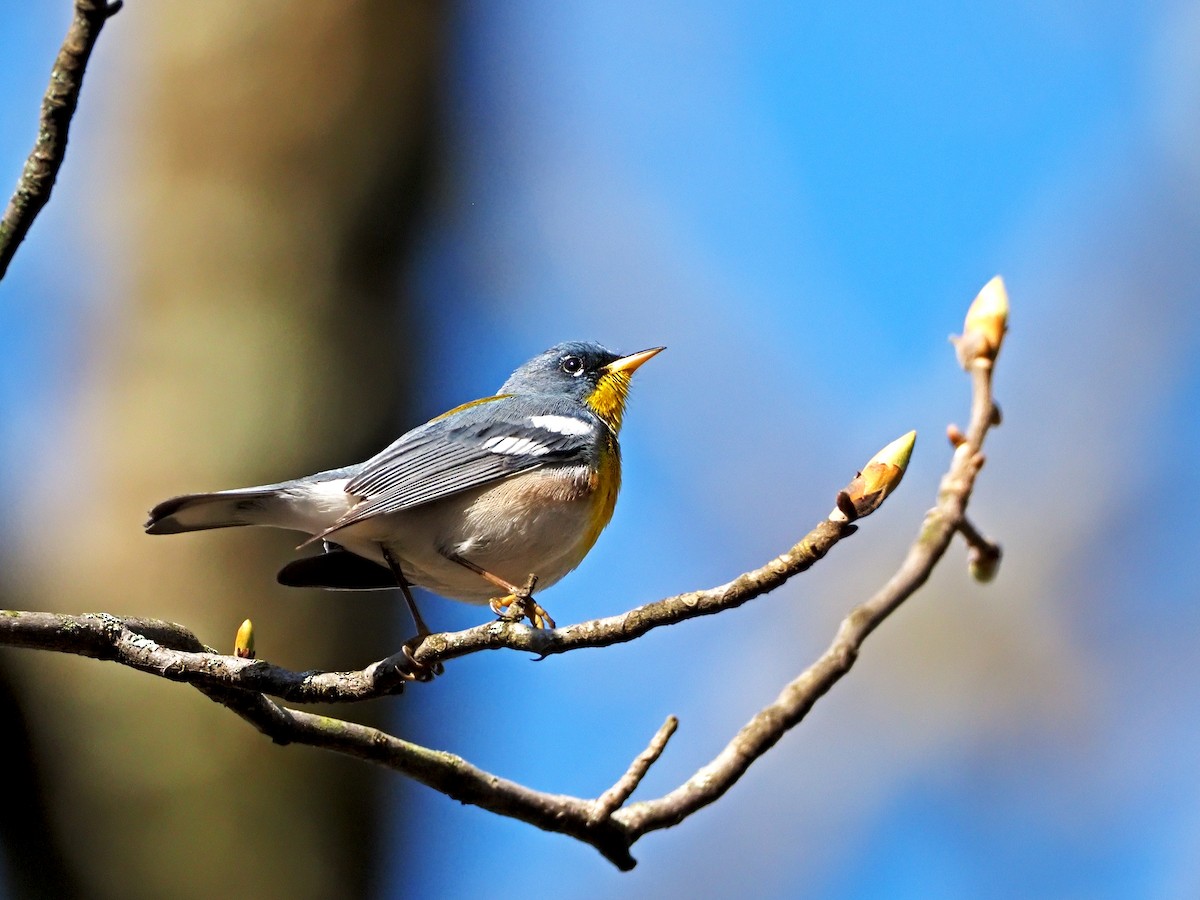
x=983 y=557
x=58 y=106
x=614 y=798
x=975 y=539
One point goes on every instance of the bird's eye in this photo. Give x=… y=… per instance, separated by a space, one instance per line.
x=572 y=365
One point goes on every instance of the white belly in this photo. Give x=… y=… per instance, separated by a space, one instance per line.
x=513 y=529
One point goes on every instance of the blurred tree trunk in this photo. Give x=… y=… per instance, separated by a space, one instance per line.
x=258 y=207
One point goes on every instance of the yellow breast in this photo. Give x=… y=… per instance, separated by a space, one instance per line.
x=606 y=484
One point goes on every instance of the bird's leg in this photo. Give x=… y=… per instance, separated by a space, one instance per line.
x=417 y=671
x=518 y=602
x=406 y=590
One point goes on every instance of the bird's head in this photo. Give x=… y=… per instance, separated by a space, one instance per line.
x=582 y=371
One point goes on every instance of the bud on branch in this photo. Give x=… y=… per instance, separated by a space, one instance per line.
x=984 y=328
x=879 y=477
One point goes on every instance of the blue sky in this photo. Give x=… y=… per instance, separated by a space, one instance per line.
x=800 y=203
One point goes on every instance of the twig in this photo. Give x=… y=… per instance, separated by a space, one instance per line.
x=983 y=557
x=976 y=540
x=612 y=799
x=58 y=106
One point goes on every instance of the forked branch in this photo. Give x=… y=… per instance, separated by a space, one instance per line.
x=243 y=684
x=171 y=651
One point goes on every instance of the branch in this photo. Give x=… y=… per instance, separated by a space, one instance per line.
x=173 y=652
x=614 y=798
x=768 y=726
x=58 y=106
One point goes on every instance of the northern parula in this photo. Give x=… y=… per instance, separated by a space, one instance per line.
x=491 y=497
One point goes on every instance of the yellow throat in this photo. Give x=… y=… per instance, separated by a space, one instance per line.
x=608 y=399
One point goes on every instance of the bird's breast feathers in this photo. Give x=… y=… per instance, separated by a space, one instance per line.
x=542 y=522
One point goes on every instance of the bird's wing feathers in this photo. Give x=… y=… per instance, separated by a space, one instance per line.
x=478 y=444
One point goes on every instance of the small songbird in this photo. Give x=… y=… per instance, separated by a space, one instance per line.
x=492 y=497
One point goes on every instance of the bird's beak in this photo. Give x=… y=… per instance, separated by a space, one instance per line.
x=630 y=363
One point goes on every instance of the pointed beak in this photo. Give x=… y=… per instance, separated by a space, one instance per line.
x=631 y=362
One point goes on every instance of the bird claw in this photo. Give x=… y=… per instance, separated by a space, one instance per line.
x=520 y=605
x=413 y=670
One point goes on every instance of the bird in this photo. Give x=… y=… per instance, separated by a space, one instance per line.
x=482 y=503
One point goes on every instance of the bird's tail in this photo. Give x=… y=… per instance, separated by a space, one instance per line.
x=224 y=509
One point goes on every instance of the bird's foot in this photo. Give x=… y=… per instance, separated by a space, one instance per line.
x=519 y=605
x=410 y=668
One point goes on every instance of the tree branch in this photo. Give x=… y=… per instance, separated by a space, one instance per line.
x=765 y=729
x=171 y=651
x=58 y=106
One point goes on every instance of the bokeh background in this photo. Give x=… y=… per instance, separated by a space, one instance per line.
x=283 y=234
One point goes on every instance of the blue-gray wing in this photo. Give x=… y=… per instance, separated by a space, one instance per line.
x=482 y=443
